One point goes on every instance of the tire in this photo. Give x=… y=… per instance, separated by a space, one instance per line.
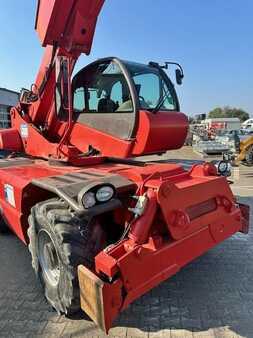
x=59 y=242
x=249 y=156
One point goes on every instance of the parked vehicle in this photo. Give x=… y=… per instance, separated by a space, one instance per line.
x=248 y=124
x=240 y=143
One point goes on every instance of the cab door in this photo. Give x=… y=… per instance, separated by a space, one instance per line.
x=104 y=99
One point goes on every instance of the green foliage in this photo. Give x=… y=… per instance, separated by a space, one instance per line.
x=229 y=112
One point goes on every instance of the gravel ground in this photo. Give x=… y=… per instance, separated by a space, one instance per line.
x=211 y=297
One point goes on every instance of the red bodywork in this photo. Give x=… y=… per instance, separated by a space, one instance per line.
x=156 y=133
x=187 y=211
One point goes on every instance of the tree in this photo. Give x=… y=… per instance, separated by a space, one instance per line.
x=229 y=112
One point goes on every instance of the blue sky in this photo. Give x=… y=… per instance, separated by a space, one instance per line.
x=212 y=39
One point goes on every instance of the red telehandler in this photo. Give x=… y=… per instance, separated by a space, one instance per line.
x=104 y=228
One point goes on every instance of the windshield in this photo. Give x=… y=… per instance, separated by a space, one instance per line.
x=152 y=88
x=103 y=89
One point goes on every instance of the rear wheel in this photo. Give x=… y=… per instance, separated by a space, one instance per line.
x=59 y=242
x=249 y=155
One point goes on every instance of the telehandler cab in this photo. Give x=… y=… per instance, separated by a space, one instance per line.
x=104 y=229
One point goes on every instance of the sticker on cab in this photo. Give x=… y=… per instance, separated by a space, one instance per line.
x=9 y=194
x=24 y=130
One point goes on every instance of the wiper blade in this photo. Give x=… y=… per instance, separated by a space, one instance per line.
x=161 y=101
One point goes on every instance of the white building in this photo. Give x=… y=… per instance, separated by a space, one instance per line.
x=226 y=123
x=8 y=99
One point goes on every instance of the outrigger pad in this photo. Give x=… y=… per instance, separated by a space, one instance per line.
x=101 y=301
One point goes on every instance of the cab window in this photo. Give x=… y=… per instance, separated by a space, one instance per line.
x=79 y=99
x=105 y=90
x=152 y=89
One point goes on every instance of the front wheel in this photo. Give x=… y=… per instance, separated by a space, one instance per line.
x=59 y=242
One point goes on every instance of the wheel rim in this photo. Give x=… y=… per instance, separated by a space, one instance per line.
x=250 y=156
x=48 y=258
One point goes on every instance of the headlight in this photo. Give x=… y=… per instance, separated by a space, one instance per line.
x=104 y=193
x=88 y=200
x=95 y=194
x=224 y=168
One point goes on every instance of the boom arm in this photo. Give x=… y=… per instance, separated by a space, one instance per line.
x=43 y=123
x=66 y=28
x=69 y=24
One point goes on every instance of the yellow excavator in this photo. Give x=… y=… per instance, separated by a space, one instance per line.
x=246 y=151
x=240 y=144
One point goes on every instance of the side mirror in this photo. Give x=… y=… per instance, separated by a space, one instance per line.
x=179 y=76
x=179 y=70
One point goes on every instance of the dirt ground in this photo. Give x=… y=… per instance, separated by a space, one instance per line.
x=211 y=297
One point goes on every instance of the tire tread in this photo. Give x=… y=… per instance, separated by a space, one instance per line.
x=56 y=215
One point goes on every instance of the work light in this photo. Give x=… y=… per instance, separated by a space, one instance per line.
x=105 y=193
x=89 y=200
x=223 y=168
